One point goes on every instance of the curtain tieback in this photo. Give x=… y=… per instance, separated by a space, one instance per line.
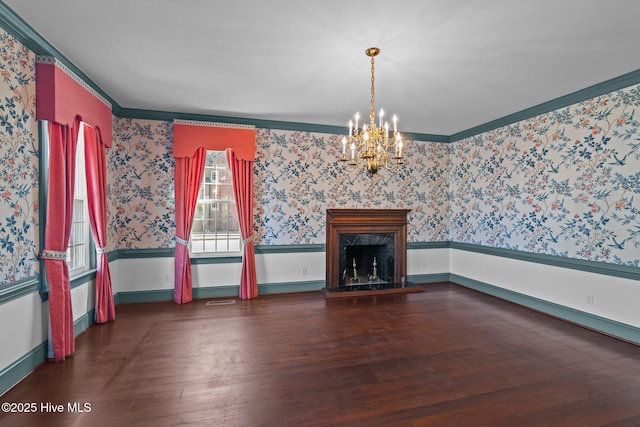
x=101 y=250
x=247 y=240
x=181 y=241
x=48 y=254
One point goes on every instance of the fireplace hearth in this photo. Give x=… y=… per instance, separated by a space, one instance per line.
x=366 y=252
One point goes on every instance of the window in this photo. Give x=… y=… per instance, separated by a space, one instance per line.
x=78 y=256
x=215 y=224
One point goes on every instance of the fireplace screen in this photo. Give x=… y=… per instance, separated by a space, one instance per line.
x=366 y=259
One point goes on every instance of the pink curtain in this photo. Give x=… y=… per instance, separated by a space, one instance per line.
x=62 y=162
x=242 y=177
x=188 y=178
x=96 y=172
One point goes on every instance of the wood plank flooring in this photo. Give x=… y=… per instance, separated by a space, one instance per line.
x=447 y=357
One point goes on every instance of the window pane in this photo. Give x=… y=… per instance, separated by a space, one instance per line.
x=78 y=257
x=215 y=225
x=76 y=251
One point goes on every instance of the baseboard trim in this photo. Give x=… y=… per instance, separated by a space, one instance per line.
x=18 y=370
x=217 y=291
x=155 y=295
x=600 y=324
x=428 y=278
x=286 y=287
x=84 y=321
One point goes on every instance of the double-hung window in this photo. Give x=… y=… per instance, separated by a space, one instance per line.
x=78 y=255
x=215 y=227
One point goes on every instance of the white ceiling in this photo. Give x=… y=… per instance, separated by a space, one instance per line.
x=445 y=65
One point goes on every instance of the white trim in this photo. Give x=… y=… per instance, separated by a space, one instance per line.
x=213 y=124
x=54 y=61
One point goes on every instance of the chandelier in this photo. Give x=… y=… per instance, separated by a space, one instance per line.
x=370 y=146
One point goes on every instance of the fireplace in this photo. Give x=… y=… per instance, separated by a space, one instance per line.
x=366 y=250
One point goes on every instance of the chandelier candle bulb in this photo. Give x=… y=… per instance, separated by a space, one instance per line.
x=344 y=145
x=350 y=128
x=357 y=118
x=381 y=116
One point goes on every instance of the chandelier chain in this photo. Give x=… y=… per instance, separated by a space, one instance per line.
x=372 y=113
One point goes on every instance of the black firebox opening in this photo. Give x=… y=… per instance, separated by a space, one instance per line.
x=359 y=253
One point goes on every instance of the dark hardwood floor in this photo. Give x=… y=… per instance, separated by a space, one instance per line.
x=446 y=357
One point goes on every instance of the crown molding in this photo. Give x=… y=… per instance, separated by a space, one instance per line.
x=17 y=27
x=608 y=86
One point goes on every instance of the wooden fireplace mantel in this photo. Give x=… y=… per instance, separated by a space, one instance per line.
x=357 y=221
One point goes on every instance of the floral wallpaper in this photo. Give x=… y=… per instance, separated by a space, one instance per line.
x=298 y=177
x=140 y=185
x=564 y=183
x=18 y=162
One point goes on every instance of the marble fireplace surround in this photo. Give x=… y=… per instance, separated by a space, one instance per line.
x=373 y=224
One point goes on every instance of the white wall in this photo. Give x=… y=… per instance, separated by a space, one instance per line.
x=83 y=299
x=613 y=298
x=141 y=274
x=24 y=323
x=427 y=261
x=148 y=274
x=290 y=267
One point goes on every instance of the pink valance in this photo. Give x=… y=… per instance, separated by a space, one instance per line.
x=188 y=136
x=61 y=96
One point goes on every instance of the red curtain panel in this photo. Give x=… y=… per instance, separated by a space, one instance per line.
x=242 y=178
x=188 y=177
x=62 y=162
x=96 y=173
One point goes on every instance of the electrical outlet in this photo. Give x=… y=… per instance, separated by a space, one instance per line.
x=166 y=278
x=589 y=299
x=423 y=264
x=304 y=271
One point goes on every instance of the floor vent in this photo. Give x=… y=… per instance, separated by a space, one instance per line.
x=221 y=302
